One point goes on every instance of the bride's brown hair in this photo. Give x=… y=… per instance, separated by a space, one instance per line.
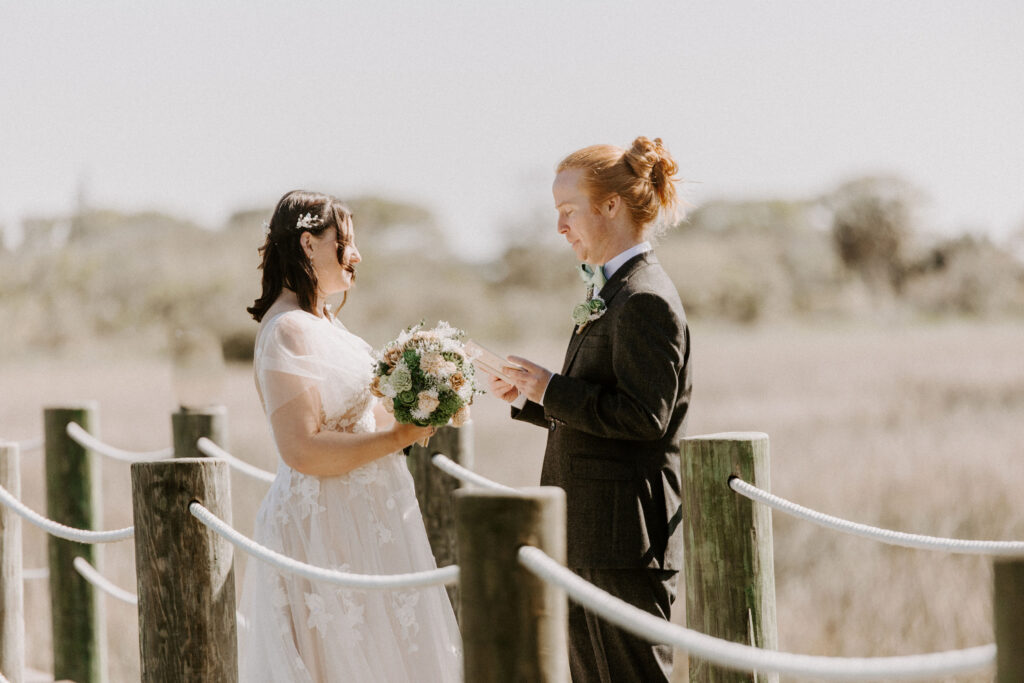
x=283 y=261
x=644 y=176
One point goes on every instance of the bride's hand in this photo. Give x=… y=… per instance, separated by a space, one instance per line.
x=409 y=434
x=502 y=389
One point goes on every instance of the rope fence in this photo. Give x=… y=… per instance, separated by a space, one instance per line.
x=723 y=652
x=31 y=677
x=29 y=445
x=59 y=530
x=87 y=440
x=433 y=577
x=211 y=449
x=90 y=574
x=450 y=467
x=898 y=538
x=745 y=657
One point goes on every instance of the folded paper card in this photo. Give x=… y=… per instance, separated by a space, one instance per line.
x=489 y=362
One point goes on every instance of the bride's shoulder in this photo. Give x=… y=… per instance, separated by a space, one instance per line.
x=286 y=328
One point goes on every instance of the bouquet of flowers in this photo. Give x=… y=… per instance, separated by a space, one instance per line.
x=425 y=377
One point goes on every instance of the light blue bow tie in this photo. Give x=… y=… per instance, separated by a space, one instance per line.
x=593 y=276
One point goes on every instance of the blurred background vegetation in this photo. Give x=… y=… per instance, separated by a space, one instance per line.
x=857 y=252
x=832 y=323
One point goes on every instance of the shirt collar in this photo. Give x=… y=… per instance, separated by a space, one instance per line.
x=615 y=263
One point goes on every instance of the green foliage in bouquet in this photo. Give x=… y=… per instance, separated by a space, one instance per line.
x=425 y=378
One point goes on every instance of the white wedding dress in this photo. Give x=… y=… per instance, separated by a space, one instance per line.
x=367 y=521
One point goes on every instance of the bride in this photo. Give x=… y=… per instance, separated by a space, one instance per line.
x=343 y=497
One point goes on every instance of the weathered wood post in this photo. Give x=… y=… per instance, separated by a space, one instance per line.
x=12 y=600
x=1009 y=619
x=188 y=424
x=186 y=580
x=73 y=498
x=434 y=491
x=513 y=624
x=730 y=570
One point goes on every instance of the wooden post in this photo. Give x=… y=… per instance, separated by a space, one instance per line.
x=73 y=498
x=1009 y=619
x=730 y=572
x=188 y=424
x=434 y=491
x=513 y=624
x=12 y=601
x=186 y=580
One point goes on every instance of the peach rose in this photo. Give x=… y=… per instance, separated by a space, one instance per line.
x=461 y=416
x=432 y=363
x=457 y=381
x=427 y=403
x=392 y=356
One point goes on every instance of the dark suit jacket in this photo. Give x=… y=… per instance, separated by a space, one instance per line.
x=616 y=414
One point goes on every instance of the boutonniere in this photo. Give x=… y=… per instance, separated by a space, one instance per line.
x=588 y=311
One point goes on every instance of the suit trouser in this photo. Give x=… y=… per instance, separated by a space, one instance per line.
x=602 y=653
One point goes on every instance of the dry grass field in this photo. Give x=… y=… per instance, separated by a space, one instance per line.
x=917 y=428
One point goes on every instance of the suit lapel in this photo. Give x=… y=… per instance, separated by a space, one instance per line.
x=608 y=292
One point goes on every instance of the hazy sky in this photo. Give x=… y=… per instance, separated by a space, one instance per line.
x=203 y=107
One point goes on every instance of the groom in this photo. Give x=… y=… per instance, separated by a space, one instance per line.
x=617 y=410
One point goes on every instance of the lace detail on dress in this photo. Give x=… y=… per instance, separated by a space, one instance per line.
x=352 y=611
x=358 y=418
x=404 y=604
x=308 y=489
x=319 y=617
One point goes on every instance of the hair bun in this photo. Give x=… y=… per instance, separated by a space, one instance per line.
x=651 y=161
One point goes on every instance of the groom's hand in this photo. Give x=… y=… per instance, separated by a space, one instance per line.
x=531 y=379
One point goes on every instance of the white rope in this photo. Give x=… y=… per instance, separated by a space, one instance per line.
x=35 y=574
x=745 y=657
x=31 y=676
x=87 y=440
x=214 y=451
x=29 y=445
x=432 y=577
x=952 y=545
x=450 y=467
x=59 y=530
x=90 y=574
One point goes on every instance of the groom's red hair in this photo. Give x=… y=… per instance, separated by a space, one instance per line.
x=644 y=176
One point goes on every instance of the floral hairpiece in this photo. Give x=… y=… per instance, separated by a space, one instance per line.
x=308 y=221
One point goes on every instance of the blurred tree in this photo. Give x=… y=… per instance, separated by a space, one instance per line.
x=776 y=216
x=967 y=275
x=249 y=221
x=1015 y=243
x=535 y=258
x=872 y=220
x=397 y=226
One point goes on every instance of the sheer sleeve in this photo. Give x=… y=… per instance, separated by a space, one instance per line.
x=285 y=365
x=297 y=353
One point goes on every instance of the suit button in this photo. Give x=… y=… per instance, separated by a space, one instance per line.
x=551 y=425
